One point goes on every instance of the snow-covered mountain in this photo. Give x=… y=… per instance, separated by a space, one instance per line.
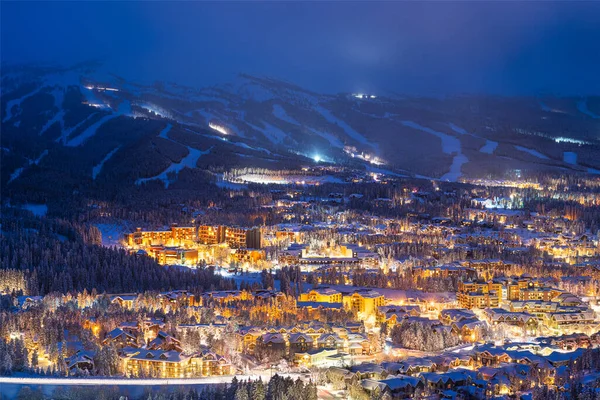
x=82 y=126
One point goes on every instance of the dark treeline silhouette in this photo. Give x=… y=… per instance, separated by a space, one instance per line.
x=59 y=256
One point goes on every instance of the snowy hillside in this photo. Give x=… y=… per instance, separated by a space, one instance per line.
x=83 y=124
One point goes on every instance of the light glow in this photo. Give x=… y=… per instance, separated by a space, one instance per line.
x=219 y=128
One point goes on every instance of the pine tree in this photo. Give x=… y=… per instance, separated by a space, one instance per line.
x=241 y=393
x=34 y=359
x=257 y=391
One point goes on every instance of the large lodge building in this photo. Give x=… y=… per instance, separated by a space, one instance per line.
x=187 y=236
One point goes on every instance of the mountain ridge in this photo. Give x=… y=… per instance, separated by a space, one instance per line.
x=268 y=123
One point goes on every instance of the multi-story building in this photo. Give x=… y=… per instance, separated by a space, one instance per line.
x=176 y=236
x=538 y=293
x=563 y=321
x=322 y=295
x=210 y=235
x=248 y=255
x=175 y=255
x=253 y=238
x=174 y=364
x=478 y=299
x=363 y=301
x=235 y=237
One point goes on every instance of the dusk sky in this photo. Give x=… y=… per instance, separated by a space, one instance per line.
x=423 y=48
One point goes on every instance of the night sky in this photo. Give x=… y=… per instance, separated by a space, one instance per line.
x=418 y=48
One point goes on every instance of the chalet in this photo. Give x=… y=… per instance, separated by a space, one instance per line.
x=468 y=329
x=368 y=371
x=394 y=314
x=174 y=364
x=165 y=342
x=571 y=319
x=124 y=300
x=329 y=340
x=497 y=316
x=449 y=315
x=275 y=341
x=446 y=380
x=300 y=342
x=401 y=386
x=81 y=360
x=318 y=358
x=118 y=338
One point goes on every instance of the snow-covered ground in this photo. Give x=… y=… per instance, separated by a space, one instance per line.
x=89 y=132
x=533 y=152
x=450 y=145
x=287 y=179
x=58 y=117
x=66 y=133
x=17 y=102
x=165 y=132
x=332 y=139
x=112 y=233
x=188 y=161
x=271 y=132
x=19 y=171
x=328 y=115
x=455 y=169
x=134 y=388
x=280 y=113
x=570 y=157
x=583 y=108
x=98 y=168
x=249 y=277
x=39 y=210
x=489 y=147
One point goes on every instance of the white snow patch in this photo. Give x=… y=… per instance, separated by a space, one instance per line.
x=328 y=115
x=332 y=139
x=245 y=146
x=455 y=169
x=532 y=152
x=19 y=171
x=458 y=129
x=583 y=108
x=17 y=102
x=39 y=210
x=188 y=161
x=489 y=147
x=65 y=134
x=112 y=233
x=274 y=134
x=37 y=160
x=224 y=184
x=89 y=132
x=280 y=113
x=58 y=117
x=98 y=168
x=450 y=144
x=570 y=157
x=165 y=132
